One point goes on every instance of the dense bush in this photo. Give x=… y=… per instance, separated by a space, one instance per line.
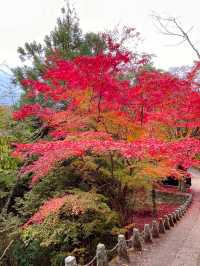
x=76 y=227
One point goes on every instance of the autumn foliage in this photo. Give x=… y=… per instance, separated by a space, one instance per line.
x=53 y=205
x=96 y=106
x=111 y=105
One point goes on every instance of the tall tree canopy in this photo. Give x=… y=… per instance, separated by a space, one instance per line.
x=106 y=111
x=66 y=39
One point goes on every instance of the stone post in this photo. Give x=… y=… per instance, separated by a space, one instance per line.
x=155 y=230
x=182 y=186
x=101 y=254
x=177 y=215
x=161 y=226
x=171 y=222
x=147 y=234
x=122 y=248
x=174 y=217
x=166 y=222
x=70 y=261
x=182 y=210
x=137 y=244
x=190 y=197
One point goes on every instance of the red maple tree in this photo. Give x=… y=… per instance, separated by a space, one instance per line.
x=97 y=107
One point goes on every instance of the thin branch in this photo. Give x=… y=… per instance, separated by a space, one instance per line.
x=187 y=38
x=190 y=29
x=163 y=25
x=7 y=229
x=6 y=249
x=164 y=29
x=177 y=44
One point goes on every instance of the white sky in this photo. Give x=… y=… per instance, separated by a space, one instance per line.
x=28 y=20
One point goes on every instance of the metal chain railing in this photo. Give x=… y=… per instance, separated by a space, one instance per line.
x=112 y=250
x=91 y=262
x=122 y=247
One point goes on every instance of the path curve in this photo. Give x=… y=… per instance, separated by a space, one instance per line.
x=181 y=245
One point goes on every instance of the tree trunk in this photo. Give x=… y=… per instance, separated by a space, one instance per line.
x=5 y=209
x=154 y=205
x=182 y=185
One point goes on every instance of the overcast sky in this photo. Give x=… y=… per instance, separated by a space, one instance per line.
x=28 y=20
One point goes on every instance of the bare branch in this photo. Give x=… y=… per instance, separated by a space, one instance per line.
x=170 y=26
x=6 y=249
x=7 y=229
x=190 y=29
x=177 y=44
x=164 y=28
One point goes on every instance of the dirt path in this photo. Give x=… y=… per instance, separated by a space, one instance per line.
x=181 y=245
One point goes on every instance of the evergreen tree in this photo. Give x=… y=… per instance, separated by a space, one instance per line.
x=66 y=39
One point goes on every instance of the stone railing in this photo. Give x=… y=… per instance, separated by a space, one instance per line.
x=137 y=240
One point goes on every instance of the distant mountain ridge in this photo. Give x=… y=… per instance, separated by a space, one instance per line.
x=9 y=93
x=181 y=71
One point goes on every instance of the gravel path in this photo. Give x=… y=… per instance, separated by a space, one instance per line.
x=181 y=245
